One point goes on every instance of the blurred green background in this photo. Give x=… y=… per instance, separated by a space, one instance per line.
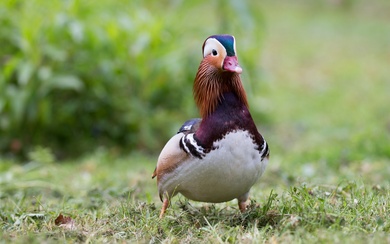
x=81 y=75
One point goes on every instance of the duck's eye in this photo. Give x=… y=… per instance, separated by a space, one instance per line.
x=214 y=52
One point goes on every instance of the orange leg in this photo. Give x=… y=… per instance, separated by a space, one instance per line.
x=242 y=202
x=164 y=207
x=242 y=206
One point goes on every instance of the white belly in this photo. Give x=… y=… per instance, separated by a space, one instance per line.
x=225 y=173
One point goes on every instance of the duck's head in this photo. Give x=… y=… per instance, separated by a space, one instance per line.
x=218 y=73
x=219 y=51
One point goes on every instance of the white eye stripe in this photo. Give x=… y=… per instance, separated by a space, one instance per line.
x=234 y=46
x=213 y=44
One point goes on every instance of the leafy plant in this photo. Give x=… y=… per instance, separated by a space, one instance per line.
x=76 y=74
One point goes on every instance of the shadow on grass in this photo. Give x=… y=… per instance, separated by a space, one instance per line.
x=209 y=215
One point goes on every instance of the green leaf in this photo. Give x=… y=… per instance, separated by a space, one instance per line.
x=65 y=82
x=25 y=73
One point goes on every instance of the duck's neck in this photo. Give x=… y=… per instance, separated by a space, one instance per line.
x=210 y=85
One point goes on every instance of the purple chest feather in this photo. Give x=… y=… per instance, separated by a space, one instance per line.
x=230 y=115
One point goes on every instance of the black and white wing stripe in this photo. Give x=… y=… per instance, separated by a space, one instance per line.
x=264 y=153
x=188 y=143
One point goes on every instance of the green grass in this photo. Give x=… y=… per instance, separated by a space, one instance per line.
x=113 y=198
x=324 y=88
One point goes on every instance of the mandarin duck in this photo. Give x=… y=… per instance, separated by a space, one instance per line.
x=219 y=157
